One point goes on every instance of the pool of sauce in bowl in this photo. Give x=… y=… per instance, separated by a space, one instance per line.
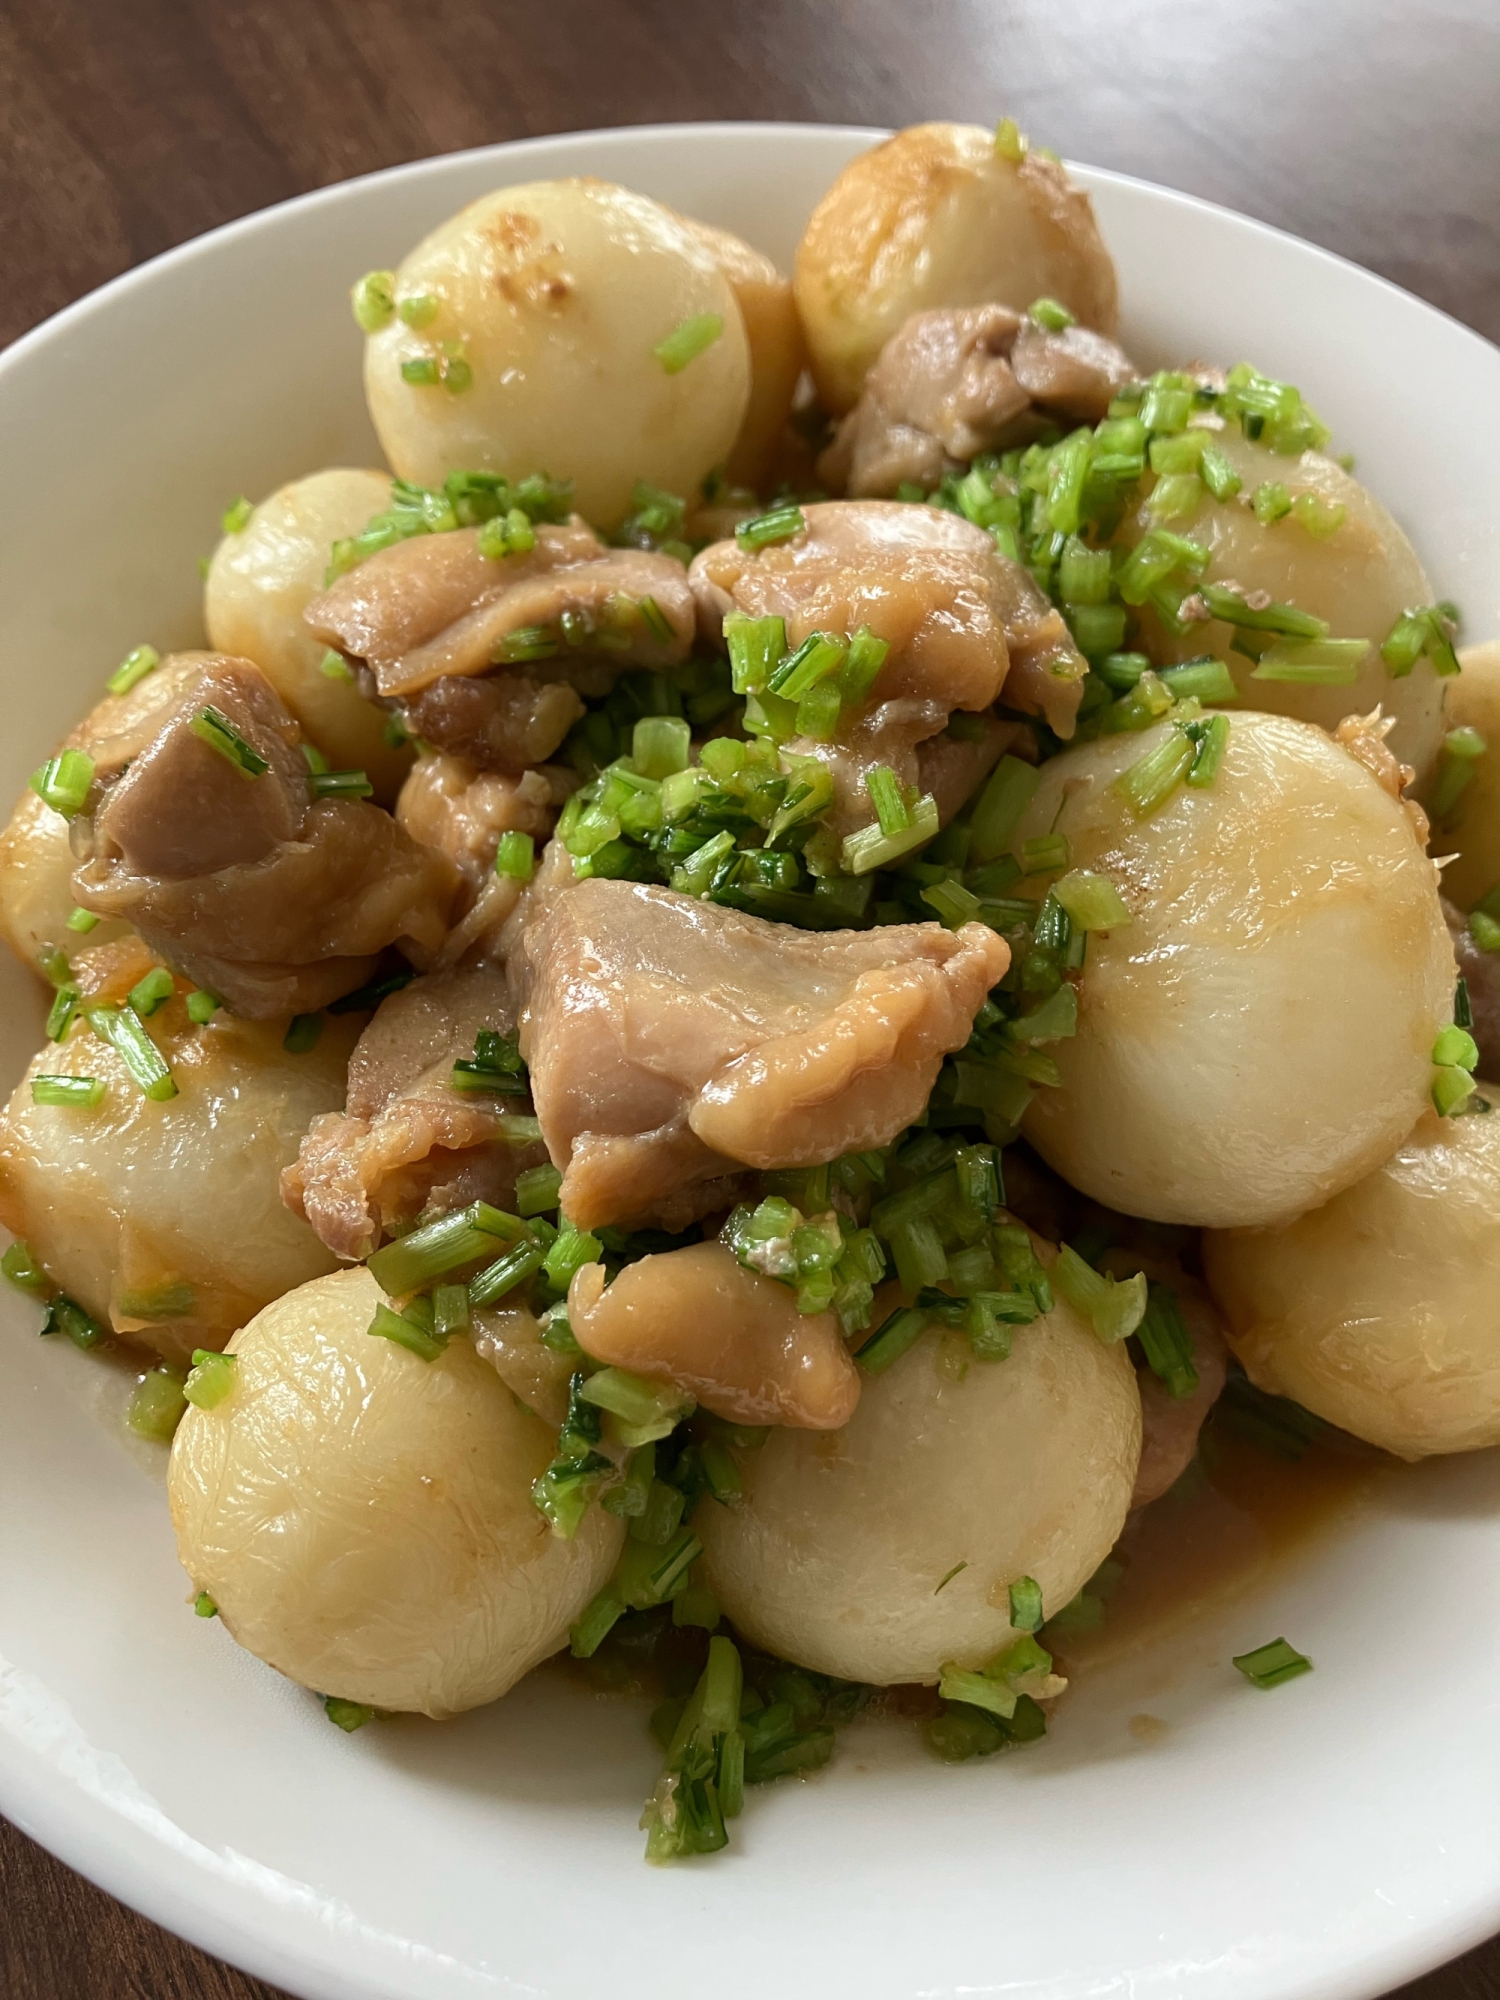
x=1242 y=1508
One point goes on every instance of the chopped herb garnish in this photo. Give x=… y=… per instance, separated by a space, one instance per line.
x=122 y=1029
x=347 y=1715
x=63 y=782
x=1026 y=1604
x=156 y=1408
x=1268 y=1666
x=82 y=921
x=137 y=663
x=687 y=341
x=204 y=1606
x=75 y=1093
x=211 y=1379
x=151 y=991
x=373 y=298
x=214 y=728
x=765 y=530
x=237 y=516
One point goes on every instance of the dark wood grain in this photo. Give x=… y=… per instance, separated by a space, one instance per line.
x=1367 y=125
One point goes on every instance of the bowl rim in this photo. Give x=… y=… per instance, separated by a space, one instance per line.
x=82 y=1823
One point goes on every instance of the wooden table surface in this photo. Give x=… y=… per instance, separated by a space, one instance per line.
x=1368 y=126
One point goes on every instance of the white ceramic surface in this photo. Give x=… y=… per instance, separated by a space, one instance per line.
x=1329 y=1839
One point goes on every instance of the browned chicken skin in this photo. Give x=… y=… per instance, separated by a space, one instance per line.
x=962 y=380
x=965 y=627
x=407 y=1140
x=275 y=901
x=429 y=618
x=735 y=1341
x=671 y=1039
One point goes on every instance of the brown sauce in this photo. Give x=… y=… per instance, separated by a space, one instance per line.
x=1237 y=1512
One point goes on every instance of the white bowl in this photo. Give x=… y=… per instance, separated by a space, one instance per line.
x=1330 y=1839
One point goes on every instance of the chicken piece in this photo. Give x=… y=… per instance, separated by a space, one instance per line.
x=733 y=1340
x=276 y=902
x=1170 y=1424
x=429 y=620
x=449 y=804
x=408 y=1142
x=962 y=621
x=510 y=1339
x=959 y=381
x=1480 y=972
x=669 y=1037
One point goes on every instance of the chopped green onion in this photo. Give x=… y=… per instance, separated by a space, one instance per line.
x=1044 y=853
x=1483 y=928
x=953 y=904
x=506 y=1273
x=1165 y=1342
x=1212 y=740
x=65 y=1315
x=137 y=663
x=213 y=727
x=334 y=667
x=1284 y=619
x=646 y=1410
x=977 y=1690
x=1092 y=902
x=405 y=1331
x=595 y=1623
x=1268 y=1666
x=567 y=1256
x=508 y=534
x=890 y=1340
x=515 y=856
x=236 y=517
x=151 y=991
x=891 y=809
x=450 y=1311
x=202 y=1006
x=20 y=1268
x=1026 y=1604
x=1216 y=472
x=63 y=782
x=156 y=1408
x=1005 y=797
x=1319 y=663
x=866 y=656
x=756 y=646
x=1320 y=518
x=347 y=1715
x=211 y=1380
x=1050 y=314
x=537 y=1190
x=457 y=374
x=82 y=921
x=340 y=785
x=526 y=642
x=440 y=1246
x=1173 y=496
x=421 y=372
x=956 y=1570
x=1113 y=1307
x=780 y=524
x=661 y=745
x=420 y=309
x=302 y=1036
x=1205 y=680
x=373 y=298
x=1052 y=1021
x=121 y=1029
x=76 y=1093
x=204 y=1606
x=1149 y=782
x=686 y=342
x=820 y=655
x=1270 y=502
x=1010 y=141
x=1456 y=1045
x=63 y=1011
x=869 y=848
